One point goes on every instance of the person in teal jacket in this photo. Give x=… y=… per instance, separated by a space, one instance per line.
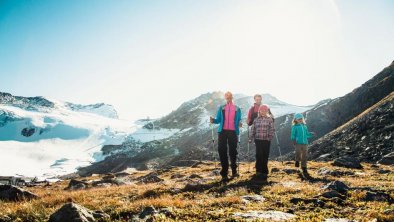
x=300 y=135
x=229 y=119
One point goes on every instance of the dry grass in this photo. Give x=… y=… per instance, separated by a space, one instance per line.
x=213 y=201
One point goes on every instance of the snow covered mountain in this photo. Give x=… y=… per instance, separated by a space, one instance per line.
x=40 y=136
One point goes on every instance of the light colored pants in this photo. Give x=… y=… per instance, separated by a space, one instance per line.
x=301 y=151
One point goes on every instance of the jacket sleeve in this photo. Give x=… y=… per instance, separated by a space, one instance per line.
x=218 y=117
x=253 y=131
x=308 y=134
x=249 y=117
x=272 y=130
x=293 y=133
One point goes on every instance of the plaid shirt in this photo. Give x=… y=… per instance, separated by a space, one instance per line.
x=263 y=128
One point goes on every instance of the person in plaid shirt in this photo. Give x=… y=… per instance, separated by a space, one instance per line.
x=262 y=132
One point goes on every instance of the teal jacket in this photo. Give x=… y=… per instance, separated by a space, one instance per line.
x=300 y=133
x=219 y=119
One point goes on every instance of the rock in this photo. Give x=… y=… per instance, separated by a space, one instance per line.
x=193 y=186
x=267 y=215
x=177 y=176
x=148 y=211
x=109 y=177
x=107 y=182
x=122 y=174
x=13 y=193
x=150 y=178
x=314 y=201
x=338 y=220
x=332 y=194
x=378 y=196
x=348 y=162
x=5 y=219
x=387 y=159
x=252 y=198
x=325 y=172
x=193 y=176
x=215 y=173
x=383 y=171
x=74 y=212
x=274 y=170
x=337 y=186
x=76 y=185
x=167 y=211
x=290 y=171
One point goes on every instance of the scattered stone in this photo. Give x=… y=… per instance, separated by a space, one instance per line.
x=374 y=166
x=75 y=212
x=378 y=196
x=348 y=162
x=290 y=171
x=274 y=170
x=383 y=171
x=215 y=173
x=13 y=193
x=5 y=219
x=338 y=220
x=122 y=174
x=335 y=173
x=177 y=176
x=193 y=186
x=148 y=211
x=194 y=176
x=337 y=186
x=150 y=178
x=314 y=201
x=387 y=159
x=332 y=194
x=76 y=185
x=108 y=182
x=109 y=177
x=252 y=198
x=268 y=215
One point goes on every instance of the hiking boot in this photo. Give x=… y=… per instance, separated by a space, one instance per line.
x=297 y=164
x=234 y=175
x=225 y=179
x=305 y=171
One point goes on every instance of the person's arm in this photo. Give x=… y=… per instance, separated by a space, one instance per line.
x=253 y=132
x=272 y=130
x=218 y=117
x=309 y=134
x=293 y=134
x=248 y=121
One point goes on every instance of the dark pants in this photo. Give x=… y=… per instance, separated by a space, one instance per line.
x=262 y=154
x=228 y=137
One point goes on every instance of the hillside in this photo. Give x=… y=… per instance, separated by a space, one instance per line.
x=194 y=194
x=368 y=137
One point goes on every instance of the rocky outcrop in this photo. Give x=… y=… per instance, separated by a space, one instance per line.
x=13 y=193
x=72 y=212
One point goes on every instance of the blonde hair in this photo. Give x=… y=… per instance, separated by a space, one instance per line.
x=295 y=121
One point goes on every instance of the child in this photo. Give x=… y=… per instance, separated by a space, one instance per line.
x=300 y=136
x=262 y=133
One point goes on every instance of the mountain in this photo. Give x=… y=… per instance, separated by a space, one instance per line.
x=368 y=137
x=41 y=136
x=331 y=114
x=182 y=136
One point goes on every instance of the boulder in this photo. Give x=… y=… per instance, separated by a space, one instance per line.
x=150 y=178
x=252 y=198
x=76 y=185
x=337 y=186
x=387 y=159
x=335 y=173
x=267 y=215
x=332 y=194
x=148 y=211
x=378 y=196
x=348 y=162
x=13 y=193
x=71 y=212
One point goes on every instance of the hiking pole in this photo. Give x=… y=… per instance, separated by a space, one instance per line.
x=248 y=156
x=277 y=142
x=213 y=146
x=239 y=144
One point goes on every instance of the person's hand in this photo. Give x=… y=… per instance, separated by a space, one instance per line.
x=211 y=119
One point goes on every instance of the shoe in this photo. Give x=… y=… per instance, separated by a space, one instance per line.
x=297 y=164
x=224 y=179
x=234 y=175
x=304 y=171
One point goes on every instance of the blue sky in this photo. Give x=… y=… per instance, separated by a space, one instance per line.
x=147 y=57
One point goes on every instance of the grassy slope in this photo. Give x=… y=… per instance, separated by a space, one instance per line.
x=212 y=201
